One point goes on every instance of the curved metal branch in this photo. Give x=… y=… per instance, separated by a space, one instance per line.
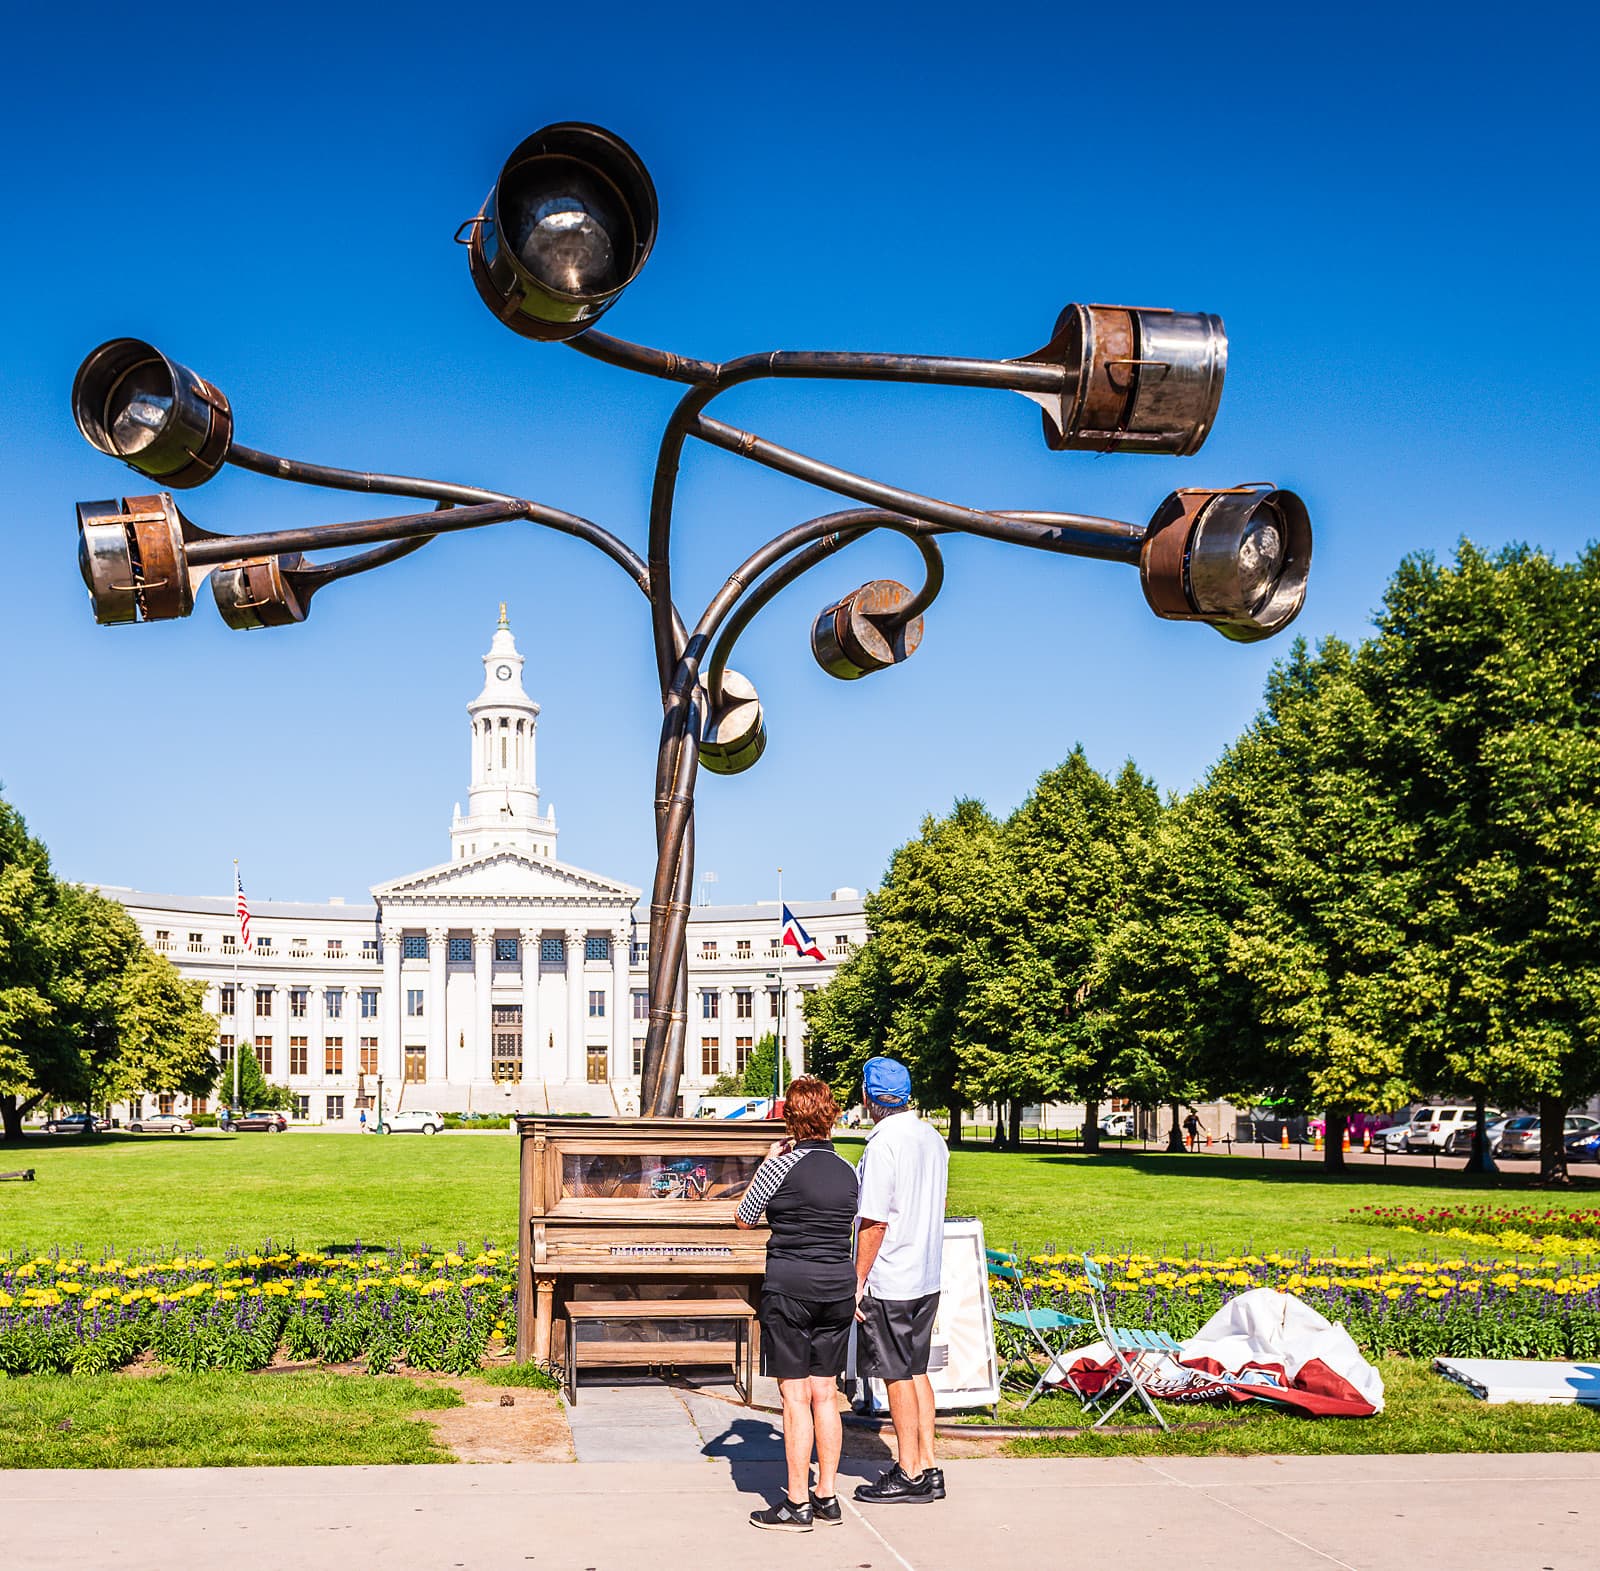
x=1022 y=376
x=326 y=475
x=849 y=526
x=1070 y=534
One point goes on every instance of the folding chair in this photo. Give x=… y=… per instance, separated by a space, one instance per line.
x=1124 y=1341
x=1006 y=1267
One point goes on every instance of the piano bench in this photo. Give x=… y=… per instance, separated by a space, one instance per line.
x=657 y=1332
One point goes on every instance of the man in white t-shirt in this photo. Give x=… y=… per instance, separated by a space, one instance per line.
x=904 y=1173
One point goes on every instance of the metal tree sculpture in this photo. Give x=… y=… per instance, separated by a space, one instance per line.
x=567 y=226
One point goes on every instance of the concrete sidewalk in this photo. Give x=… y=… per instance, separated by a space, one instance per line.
x=1387 y=1513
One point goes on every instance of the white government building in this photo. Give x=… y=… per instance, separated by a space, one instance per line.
x=501 y=979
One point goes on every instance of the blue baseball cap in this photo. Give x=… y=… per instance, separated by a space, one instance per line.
x=888 y=1082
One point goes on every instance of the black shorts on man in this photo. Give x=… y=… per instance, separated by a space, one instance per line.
x=896 y=1336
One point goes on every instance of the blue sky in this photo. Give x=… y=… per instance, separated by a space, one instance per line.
x=1391 y=209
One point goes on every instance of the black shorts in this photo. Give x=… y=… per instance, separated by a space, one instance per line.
x=803 y=1336
x=894 y=1340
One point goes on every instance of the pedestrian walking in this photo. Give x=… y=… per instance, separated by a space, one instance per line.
x=1191 y=1127
x=807 y=1192
x=904 y=1175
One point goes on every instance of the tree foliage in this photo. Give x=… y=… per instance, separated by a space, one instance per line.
x=88 y=1013
x=1388 y=886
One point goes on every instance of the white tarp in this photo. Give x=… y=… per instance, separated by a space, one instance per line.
x=1524 y=1379
x=1264 y=1327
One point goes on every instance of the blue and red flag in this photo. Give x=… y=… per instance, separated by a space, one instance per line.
x=797 y=938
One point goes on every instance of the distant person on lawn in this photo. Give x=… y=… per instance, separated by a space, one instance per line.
x=807 y=1192
x=904 y=1175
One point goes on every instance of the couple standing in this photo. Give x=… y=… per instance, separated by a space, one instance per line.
x=891 y=1207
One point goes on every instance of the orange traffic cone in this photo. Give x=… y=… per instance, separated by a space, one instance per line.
x=1346 y=1140
x=1366 y=1140
x=1208 y=1139
x=1317 y=1144
x=1283 y=1144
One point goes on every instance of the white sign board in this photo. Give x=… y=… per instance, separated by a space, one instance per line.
x=962 y=1365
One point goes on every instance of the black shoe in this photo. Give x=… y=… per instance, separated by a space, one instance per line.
x=826 y=1509
x=785 y=1517
x=894 y=1488
x=934 y=1478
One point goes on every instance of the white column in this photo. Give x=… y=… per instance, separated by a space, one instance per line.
x=725 y=1031
x=621 y=1008
x=391 y=1010
x=482 y=993
x=438 y=1025
x=316 y=1029
x=532 y=1040
x=281 y=1024
x=577 y=1006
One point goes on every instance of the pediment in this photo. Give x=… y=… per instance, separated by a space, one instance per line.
x=506 y=876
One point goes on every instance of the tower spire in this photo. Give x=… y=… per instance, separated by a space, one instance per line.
x=503 y=807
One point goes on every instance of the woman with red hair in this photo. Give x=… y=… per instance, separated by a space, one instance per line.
x=807 y=1192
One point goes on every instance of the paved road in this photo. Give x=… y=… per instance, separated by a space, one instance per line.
x=1470 y=1513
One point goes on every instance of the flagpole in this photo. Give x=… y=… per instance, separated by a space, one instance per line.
x=238 y=998
x=777 y=1090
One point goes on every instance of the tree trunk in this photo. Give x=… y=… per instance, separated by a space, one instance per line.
x=997 y=1133
x=1334 y=1123
x=955 y=1124
x=1553 y=1140
x=10 y=1118
x=1480 y=1158
x=1091 y=1128
x=1175 y=1134
x=1014 y=1124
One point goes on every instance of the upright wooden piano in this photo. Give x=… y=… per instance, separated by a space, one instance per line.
x=632 y=1208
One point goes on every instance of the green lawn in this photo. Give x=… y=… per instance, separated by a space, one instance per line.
x=218 y=1191
x=1423 y=1412
x=217 y=1420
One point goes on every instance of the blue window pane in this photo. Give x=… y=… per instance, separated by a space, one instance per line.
x=414 y=946
x=552 y=950
x=597 y=948
x=505 y=949
x=461 y=949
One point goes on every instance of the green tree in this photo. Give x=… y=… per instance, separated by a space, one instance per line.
x=30 y=1052
x=761 y=1068
x=1076 y=847
x=255 y=1090
x=1486 y=676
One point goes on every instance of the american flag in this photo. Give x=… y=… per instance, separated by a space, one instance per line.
x=244 y=910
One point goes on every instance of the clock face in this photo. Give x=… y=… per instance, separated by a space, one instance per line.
x=503 y=672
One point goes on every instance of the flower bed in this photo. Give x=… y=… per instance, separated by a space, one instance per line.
x=1516 y=1228
x=426 y=1309
x=1417 y=1308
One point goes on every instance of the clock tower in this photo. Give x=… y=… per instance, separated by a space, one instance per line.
x=503 y=803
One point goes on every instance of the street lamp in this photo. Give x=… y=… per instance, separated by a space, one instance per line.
x=568 y=225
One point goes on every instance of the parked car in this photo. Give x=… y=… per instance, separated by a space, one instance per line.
x=412 y=1121
x=161 y=1124
x=1430 y=1128
x=72 y=1124
x=1118 y=1126
x=1584 y=1146
x=1460 y=1142
x=265 y=1120
x=1522 y=1134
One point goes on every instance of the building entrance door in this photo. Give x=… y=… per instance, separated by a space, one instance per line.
x=507 y=1059
x=597 y=1066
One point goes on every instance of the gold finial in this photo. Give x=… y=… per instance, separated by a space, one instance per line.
x=503 y=621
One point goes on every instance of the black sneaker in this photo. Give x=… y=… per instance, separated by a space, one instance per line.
x=934 y=1479
x=826 y=1509
x=895 y=1488
x=785 y=1517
